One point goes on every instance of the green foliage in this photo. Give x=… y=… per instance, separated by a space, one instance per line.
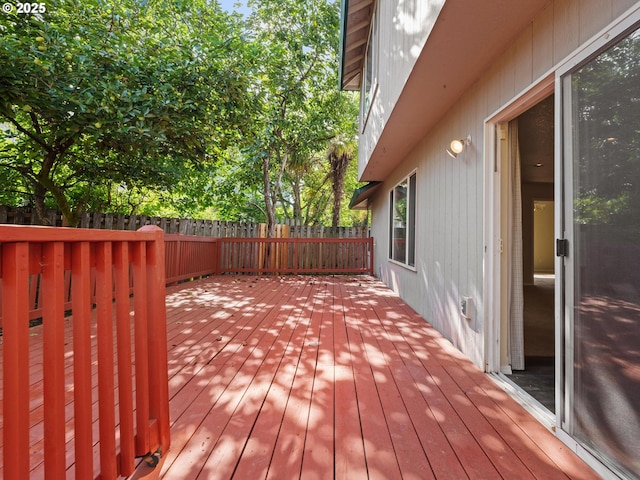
x=299 y=107
x=173 y=108
x=96 y=94
x=607 y=102
x=592 y=209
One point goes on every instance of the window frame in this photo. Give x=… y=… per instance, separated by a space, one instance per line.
x=408 y=257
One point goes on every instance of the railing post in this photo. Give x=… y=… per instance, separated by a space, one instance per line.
x=82 y=304
x=125 y=370
x=106 y=384
x=52 y=289
x=15 y=313
x=158 y=373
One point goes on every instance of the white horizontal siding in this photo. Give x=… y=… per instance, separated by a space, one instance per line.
x=449 y=256
x=403 y=27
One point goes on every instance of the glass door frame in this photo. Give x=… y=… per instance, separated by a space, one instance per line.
x=565 y=266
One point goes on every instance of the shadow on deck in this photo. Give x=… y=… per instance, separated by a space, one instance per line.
x=335 y=377
x=319 y=377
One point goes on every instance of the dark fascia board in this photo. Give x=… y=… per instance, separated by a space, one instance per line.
x=360 y=197
x=344 y=17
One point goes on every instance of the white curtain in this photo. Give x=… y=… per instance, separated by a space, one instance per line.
x=516 y=295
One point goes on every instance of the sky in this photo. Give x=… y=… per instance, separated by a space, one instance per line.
x=229 y=5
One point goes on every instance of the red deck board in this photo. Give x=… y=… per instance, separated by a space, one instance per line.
x=350 y=460
x=378 y=444
x=323 y=377
x=286 y=461
x=409 y=452
x=227 y=391
x=318 y=458
x=538 y=459
x=415 y=387
x=234 y=437
x=258 y=449
x=494 y=449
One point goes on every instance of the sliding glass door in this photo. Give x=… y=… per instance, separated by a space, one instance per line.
x=601 y=125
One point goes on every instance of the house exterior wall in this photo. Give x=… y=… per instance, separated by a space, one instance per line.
x=403 y=29
x=450 y=192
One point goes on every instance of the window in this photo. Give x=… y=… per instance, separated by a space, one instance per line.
x=402 y=221
x=370 y=70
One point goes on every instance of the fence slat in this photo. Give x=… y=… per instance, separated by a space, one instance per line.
x=295 y=255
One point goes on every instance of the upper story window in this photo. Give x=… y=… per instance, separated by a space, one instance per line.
x=402 y=221
x=370 y=73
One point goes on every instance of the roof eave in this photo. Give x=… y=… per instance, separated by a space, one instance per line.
x=354 y=35
x=360 y=198
x=475 y=34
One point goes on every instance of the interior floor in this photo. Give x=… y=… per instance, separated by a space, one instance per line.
x=538 y=378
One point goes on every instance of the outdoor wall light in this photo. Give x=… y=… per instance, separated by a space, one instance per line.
x=457 y=146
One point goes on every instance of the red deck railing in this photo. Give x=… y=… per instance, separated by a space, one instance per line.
x=295 y=255
x=186 y=256
x=49 y=273
x=189 y=256
x=91 y=273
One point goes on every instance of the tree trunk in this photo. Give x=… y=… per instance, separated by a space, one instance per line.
x=339 y=162
x=70 y=216
x=297 y=199
x=268 y=199
x=337 y=202
x=39 y=194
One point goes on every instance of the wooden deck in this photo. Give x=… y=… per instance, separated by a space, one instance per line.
x=331 y=377
x=335 y=377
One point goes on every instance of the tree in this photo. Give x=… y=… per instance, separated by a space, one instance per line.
x=339 y=155
x=94 y=95
x=298 y=103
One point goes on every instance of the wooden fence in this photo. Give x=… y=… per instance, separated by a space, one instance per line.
x=205 y=228
x=92 y=272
